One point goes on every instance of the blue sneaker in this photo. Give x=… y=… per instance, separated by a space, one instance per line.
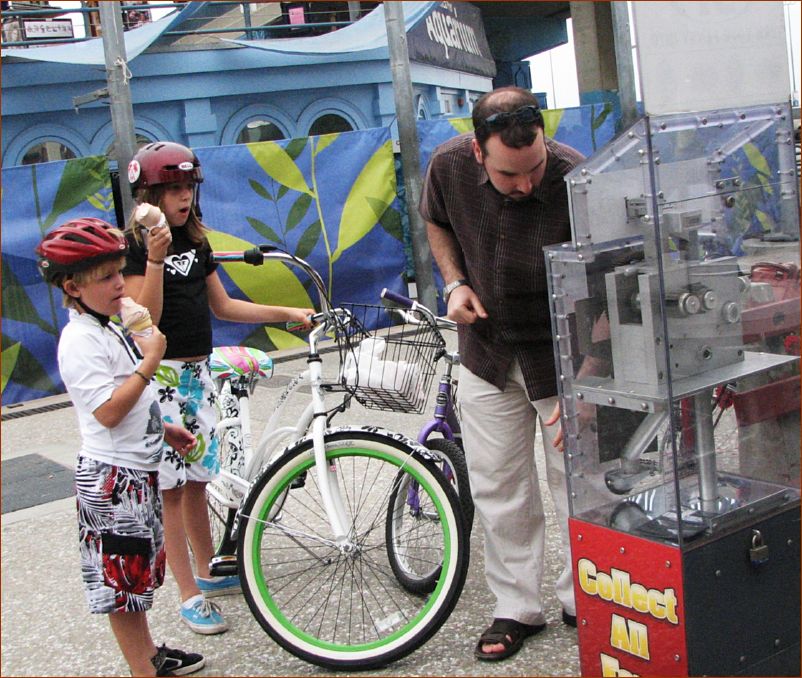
x=202 y=616
x=218 y=586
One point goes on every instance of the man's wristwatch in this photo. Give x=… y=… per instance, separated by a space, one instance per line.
x=448 y=289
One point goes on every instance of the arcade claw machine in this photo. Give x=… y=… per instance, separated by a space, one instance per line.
x=676 y=317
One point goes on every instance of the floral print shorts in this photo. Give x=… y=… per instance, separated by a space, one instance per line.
x=187 y=396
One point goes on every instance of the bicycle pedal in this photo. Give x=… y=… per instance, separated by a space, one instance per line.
x=223 y=566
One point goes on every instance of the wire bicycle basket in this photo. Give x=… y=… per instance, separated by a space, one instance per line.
x=387 y=366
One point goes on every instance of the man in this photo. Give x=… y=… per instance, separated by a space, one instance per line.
x=492 y=200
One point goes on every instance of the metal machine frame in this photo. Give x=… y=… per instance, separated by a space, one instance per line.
x=657 y=320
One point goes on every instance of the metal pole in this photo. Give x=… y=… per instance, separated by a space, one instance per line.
x=122 y=112
x=410 y=158
x=624 y=65
x=353 y=11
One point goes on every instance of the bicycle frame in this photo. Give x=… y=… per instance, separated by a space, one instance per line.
x=314 y=414
x=444 y=404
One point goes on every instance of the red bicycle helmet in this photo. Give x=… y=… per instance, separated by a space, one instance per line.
x=163 y=162
x=78 y=245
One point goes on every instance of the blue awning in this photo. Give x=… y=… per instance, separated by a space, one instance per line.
x=90 y=52
x=369 y=33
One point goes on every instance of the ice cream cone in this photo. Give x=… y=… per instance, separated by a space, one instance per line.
x=135 y=318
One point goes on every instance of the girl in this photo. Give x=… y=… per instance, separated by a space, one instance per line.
x=171 y=272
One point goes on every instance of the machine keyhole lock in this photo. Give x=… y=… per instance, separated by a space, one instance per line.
x=759 y=553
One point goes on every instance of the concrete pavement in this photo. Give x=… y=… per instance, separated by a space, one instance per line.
x=48 y=631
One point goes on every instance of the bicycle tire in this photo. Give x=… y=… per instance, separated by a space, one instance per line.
x=334 y=609
x=416 y=563
x=453 y=451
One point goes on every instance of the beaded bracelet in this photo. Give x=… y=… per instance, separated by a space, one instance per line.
x=144 y=378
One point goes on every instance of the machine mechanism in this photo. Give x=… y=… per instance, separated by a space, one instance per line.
x=678 y=296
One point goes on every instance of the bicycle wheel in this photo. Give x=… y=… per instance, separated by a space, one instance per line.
x=458 y=475
x=328 y=605
x=411 y=528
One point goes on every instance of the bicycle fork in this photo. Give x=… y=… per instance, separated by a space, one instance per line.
x=326 y=472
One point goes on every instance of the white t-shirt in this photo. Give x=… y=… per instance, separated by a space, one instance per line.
x=94 y=360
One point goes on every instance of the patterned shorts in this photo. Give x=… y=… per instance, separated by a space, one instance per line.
x=121 y=539
x=187 y=396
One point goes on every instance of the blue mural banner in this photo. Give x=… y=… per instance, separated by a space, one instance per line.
x=35 y=199
x=331 y=200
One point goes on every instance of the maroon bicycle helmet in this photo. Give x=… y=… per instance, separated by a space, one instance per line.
x=163 y=162
x=78 y=245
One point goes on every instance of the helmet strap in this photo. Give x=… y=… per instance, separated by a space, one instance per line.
x=102 y=319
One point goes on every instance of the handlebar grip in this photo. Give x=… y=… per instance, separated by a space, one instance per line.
x=396 y=298
x=253 y=256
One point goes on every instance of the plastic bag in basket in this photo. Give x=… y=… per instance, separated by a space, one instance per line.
x=365 y=368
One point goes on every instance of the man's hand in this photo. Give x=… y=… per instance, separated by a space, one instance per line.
x=464 y=306
x=553 y=419
x=177 y=437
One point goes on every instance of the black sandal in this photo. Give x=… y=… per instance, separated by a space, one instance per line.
x=507 y=632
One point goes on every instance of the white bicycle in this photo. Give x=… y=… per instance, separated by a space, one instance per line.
x=302 y=514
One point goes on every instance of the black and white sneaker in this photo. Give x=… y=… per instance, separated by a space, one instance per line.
x=169 y=662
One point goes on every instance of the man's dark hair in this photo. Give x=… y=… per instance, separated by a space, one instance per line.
x=506 y=100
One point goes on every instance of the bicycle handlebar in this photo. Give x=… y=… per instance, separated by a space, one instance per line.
x=413 y=305
x=256 y=256
x=396 y=298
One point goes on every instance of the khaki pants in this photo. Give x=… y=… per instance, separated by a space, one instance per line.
x=498 y=430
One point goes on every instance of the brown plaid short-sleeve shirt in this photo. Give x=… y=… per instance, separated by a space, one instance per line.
x=502 y=243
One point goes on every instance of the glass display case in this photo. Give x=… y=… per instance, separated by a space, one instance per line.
x=676 y=316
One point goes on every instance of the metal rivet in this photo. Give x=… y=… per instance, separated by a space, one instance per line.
x=776 y=642
x=584 y=622
x=622 y=550
x=742 y=659
x=579 y=537
x=718 y=573
x=676 y=657
x=611 y=400
x=668 y=563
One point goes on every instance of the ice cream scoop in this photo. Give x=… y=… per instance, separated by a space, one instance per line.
x=135 y=318
x=149 y=216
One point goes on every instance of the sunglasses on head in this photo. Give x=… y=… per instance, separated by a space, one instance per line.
x=525 y=115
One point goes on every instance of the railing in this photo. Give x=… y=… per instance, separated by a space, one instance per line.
x=289 y=19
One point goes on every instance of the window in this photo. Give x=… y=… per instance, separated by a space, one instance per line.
x=329 y=124
x=47 y=151
x=259 y=130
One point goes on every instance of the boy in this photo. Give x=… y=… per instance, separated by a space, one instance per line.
x=116 y=476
